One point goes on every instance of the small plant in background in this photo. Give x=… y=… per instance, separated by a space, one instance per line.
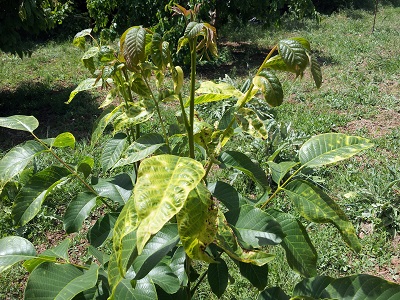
x=160 y=210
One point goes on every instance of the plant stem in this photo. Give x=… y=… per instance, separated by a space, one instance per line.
x=191 y=99
x=184 y=116
x=72 y=171
x=158 y=113
x=188 y=263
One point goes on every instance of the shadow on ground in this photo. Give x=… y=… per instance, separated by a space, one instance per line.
x=47 y=104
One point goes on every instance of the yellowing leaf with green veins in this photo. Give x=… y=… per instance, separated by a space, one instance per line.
x=197 y=223
x=249 y=121
x=209 y=87
x=329 y=148
x=163 y=185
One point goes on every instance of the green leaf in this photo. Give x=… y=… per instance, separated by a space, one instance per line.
x=193 y=29
x=155 y=250
x=14 y=249
x=249 y=121
x=109 y=114
x=163 y=276
x=294 y=54
x=197 y=223
x=300 y=252
x=257 y=275
x=32 y=264
x=305 y=43
x=254 y=228
x=136 y=114
x=102 y=257
x=124 y=290
x=274 y=293
x=270 y=87
x=356 y=287
x=227 y=194
x=65 y=139
x=316 y=206
x=241 y=162
x=315 y=71
x=227 y=240
x=15 y=161
x=30 y=198
x=223 y=88
x=159 y=51
x=85 y=166
x=112 y=151
x=178 y=265
x=278 y=64
x=163 y=185
x=86 y=85
x=206 y=98
x=88 y=58
x=139 y=86
x=117 y=188
x=133 y=46
x=83 y=33
x=19 y=122
x=59 y=282
x=217 y=275
x=145 y=290
x=102 y=229
x=143 y=147
x=78 y=210
x=278 y=171
x=329 y=148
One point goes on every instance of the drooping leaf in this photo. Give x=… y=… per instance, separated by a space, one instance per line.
x=227 y=194
x=315 y=71
x=14 y=249
x=88 y=58
x=241 y=162
x=329 y=148
x=356 y=287
x=107 y=116
x=278 y=64
x=79 y=38
x=59 y=281
x=117 y=188
x=139 y=86
x=112 y=151
x=159 y=51
x=305 y=43
x=254 y=228
x=19 y=122
x=294 y=54
x=227 y=240
x=155 y=250
x=251 y=123
x=102 y=229
x=78 y=210
x=29 y=200
x=270 y=87
x=197 y=223
x=217 y=275
x=206 y=98
x=278 y=171
x=257 y=275
x=15 y=161
x=102 y=257
x=316 y=206
x=86 y=85
x=143 y=147
x=163 y=184
x=274 y=293
x=85 y=166
x=300 y=252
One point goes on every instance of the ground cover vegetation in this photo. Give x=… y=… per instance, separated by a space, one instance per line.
x=247 y=138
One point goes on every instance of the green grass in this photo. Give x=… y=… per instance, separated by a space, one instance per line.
x=361 y=75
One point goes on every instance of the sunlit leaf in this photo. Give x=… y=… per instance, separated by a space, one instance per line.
x=117 y=188
x=329 y=148
x=65 y=139
x=59 y=281
x=133 y=46
x=315 y=71
x=193 y=29
x=86 y=85
x=163 y=184
x=14 y=249
x=316 y=206
x=356 y=287
x=29 y=200
x=107 y=116
x=251 y=123
x=112 y=151
x=85 y=166
x=210 y=87
x=294 y=54
x=257 y=275
x=227 y=194
x=278 y=171
x=19 y=122
x=88 y=58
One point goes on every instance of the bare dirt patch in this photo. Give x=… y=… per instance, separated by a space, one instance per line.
x=382 y=124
